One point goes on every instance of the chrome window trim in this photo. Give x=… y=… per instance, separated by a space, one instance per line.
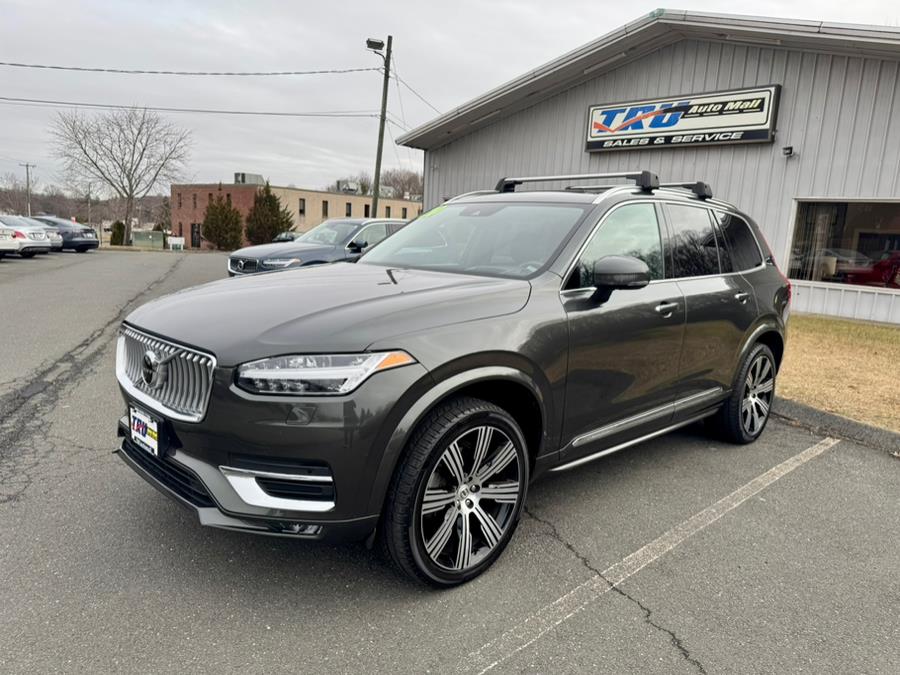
x=565 y=291
x=149 y=401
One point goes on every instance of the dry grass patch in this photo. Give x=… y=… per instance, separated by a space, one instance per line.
x=850 y=368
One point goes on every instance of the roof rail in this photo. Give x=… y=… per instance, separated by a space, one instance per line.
x=646 y=180
x=474 y=193
x=699 y=188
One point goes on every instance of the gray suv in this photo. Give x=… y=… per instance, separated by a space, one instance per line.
x=411 y=398
x=331 y=241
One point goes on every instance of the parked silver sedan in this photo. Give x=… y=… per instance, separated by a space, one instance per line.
x=56 y=239
x=8 y=243
x=32 y=239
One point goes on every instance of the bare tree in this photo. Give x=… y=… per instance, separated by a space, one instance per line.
x=130 y=152
x=403 y=182
x=13 y=196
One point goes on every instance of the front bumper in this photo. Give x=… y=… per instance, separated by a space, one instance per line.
x=291 y=466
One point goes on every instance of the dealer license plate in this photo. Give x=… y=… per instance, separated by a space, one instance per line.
x=145 y=431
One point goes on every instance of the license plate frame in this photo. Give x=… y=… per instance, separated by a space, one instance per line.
x=146 y=430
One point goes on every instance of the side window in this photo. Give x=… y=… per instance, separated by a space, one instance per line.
x=629 y=230
x=745 y=253
x=694 y=251
x=725 y=262
x=372 y=234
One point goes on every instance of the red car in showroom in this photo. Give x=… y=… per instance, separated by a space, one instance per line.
x=884 y=272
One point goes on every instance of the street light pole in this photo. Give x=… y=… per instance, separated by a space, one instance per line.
x=376 y=46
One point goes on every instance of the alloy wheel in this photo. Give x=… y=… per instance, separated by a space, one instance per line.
x=759 y=389
x=470 y=498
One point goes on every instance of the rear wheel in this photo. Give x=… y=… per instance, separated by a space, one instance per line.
x=80 y=250
x=458 y=495
x=746 y=412
x=26 y=254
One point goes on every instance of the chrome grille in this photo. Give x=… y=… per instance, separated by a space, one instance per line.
x=186 y=375
x=243 y=265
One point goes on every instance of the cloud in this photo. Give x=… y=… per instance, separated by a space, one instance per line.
x=450 y=52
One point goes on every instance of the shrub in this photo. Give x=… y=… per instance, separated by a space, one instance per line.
x=222 y=225
x=117 y=238
x=267 y=218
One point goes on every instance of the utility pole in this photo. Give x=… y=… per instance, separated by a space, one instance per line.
x=28 y=168
x=376 y=46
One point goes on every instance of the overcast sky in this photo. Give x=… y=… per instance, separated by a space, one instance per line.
x=448 y=51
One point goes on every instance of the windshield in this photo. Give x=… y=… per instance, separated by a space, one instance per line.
x=330 y=233
x=508 y=240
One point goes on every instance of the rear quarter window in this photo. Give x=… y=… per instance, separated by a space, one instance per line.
x=745 y=253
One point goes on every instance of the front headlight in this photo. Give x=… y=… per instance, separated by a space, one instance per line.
x=280 y=262
x=316 y=374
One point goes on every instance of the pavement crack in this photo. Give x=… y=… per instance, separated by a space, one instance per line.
x=677 y=642
x=24 y=435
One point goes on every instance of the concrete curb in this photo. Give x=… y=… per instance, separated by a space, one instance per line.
x=829 y=424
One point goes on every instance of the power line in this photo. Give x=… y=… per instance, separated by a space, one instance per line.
x=189 y=73
x=208 y=111
x=417 y=94
x=402 y=110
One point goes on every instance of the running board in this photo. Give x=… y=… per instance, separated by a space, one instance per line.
x=628 y=444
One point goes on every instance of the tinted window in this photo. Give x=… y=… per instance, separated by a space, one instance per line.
x=694 y=250
x=725 y=262
x=629 y=230
x=745 y=253
x=492 y=239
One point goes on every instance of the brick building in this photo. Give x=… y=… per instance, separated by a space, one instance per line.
x=308 y=208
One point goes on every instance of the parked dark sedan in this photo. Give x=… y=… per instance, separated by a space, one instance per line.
x=333 y=240
x=75 y=236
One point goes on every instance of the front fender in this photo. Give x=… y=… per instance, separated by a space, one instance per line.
x=442 y=389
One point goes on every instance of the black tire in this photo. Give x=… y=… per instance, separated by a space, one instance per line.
x=26 y=254
x=80 y=250
x=731 y=422
x=403 y=527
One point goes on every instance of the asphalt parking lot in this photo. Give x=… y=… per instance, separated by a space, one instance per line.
x=680 y=555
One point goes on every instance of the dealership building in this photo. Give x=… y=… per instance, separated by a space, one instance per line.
x=795 y=122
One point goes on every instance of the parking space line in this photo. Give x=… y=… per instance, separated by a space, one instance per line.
x=514 y=640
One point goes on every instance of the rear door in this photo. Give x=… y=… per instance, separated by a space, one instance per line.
x=624 y=345
x=720 y=307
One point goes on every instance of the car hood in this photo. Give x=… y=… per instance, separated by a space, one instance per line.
x=284 y=249
x=322 y=309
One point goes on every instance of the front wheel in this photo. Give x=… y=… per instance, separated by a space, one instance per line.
x=457 y=497
x=26 y=254
x=746 y=411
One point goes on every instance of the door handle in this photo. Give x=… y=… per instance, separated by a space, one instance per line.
x=666 y=308
x=741 y=297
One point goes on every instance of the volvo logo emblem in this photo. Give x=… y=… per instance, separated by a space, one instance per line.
x=153 y=370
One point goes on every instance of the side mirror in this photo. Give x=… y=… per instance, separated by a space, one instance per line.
x=356 y=246
x=620 y=271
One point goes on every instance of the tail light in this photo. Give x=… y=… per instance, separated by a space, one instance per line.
x=18 y=235
x=787 y=282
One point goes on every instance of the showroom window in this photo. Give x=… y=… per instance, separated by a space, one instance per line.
x=847 y=243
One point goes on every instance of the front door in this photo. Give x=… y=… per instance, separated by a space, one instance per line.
x=195 y=235
x=625 y=344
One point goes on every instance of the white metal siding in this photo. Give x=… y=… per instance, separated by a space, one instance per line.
x=841 y=114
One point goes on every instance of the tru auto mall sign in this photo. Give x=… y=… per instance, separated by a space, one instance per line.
x=736 y=116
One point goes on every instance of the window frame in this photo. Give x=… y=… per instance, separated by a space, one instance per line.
x=663 y=240
x=764 y=256
x=669 y=238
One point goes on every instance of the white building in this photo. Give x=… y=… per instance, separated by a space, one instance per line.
x=796 y=122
